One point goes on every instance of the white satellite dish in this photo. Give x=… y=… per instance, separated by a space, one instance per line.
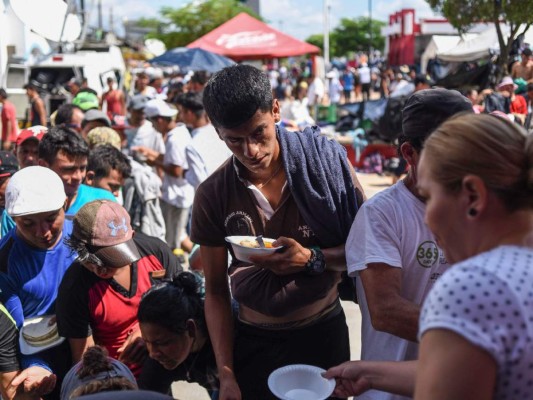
x=46 y=17
x=155 y=46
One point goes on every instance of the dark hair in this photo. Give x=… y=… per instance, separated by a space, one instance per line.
x=30 y=85
x=529 y=87
x=200 y=77
x=192 y=101
x=171 y=303
x=416 y=142
x=94 y=362
x=420 y=79
x=62 y=139
x=88 y=89
x=64 y=113
x=106 y=157
x=3 y=93
x=234 y=94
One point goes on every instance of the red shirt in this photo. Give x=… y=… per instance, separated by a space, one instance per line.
x=9 y=113
x=519 y=105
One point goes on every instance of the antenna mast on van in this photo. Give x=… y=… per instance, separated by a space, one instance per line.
x=85 y=17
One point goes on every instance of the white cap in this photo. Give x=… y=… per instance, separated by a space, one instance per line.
x=34 y=190
x=159 y=108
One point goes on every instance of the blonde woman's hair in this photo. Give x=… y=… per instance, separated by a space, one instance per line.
x=497 y=150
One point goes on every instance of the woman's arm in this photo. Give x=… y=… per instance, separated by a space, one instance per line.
x=356 y=377
x=450 y=367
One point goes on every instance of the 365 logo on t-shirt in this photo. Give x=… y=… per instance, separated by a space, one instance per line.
x=427 y=254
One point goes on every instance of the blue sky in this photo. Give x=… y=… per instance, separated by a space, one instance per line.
x=299 y=18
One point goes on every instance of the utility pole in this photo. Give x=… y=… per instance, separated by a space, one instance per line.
x=370 y=50
x=326 y=32
x=111 y=21
x=100 y=24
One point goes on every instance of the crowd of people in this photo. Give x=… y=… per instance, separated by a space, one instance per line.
x=109 y=201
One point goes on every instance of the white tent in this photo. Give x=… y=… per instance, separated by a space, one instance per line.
x=441 y=44
x=481 y=46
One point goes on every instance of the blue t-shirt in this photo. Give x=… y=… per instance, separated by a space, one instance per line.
x=30 y=277
x=6 y=223
x=86 y=194
x=347 y=81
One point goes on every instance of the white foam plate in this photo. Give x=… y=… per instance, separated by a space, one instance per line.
x=27 y=349
x=300 y=382
x=243 y=253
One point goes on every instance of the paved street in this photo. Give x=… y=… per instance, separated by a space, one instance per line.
x=372 y=184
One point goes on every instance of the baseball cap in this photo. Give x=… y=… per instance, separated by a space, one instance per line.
x=96 y=115
x=35 y=132
x=72 y=381
x=426 y=109
x=34 y=190
x=138 y=102
x=86 y=101
x=8 y=164
x=103 y=135
x=158 y=107
x=105 y=227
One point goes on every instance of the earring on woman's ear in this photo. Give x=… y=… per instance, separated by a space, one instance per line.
x=472 y=212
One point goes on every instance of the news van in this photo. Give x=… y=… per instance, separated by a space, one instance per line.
x=52 y=73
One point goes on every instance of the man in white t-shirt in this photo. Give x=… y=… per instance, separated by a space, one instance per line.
x=316 y=91
x=391 y=251
x=139 y=131
x=177 y=194
x=365 y=79
x=207 y=151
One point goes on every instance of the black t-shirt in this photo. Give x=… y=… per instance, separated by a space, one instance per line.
x=8 y=342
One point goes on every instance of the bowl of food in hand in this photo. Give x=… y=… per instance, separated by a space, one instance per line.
x=300 y=382
x=246 y=246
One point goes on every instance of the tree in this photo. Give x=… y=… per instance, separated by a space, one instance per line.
x=182 y=26
x=318 y=41
x=463 y=13
x=352 y=35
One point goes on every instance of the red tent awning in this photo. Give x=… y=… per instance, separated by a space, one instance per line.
x=244 y=37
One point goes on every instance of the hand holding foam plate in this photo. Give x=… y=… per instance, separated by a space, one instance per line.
x=300 y=382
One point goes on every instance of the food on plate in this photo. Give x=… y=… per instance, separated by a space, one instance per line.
x=253 y=244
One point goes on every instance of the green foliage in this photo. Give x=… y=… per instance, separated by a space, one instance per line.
x=351 y=35
x=153 y=23
x=462 y=14
x=317 y=40
x=354 y=35
x=181 y=26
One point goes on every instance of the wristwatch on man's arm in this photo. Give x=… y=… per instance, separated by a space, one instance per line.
x=316 y=263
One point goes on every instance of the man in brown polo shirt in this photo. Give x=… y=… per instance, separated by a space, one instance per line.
x=296 y=187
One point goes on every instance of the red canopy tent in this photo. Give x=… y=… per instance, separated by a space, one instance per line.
x=244 y=37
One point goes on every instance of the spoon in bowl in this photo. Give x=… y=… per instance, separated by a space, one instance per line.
x=261 y=242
